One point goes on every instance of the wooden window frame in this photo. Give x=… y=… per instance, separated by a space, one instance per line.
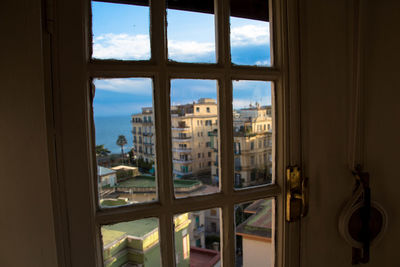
x=70 y=129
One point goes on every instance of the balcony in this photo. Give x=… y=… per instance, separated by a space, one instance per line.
x=181 y=128
x=182 y=150
x=237 y=152
x=181 y=138
x=148 y=143
x=238 y=168
x=148 y=134
x=198 y=230
x=182 y=161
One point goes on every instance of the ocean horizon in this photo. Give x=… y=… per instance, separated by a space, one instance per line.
x=107 y=130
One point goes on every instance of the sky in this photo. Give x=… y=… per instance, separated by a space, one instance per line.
x=122 y=32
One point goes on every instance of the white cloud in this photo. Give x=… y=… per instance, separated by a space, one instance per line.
x=250 y=35
x=189 y=49
x=248 y=85
x=263 y=62
x=137 y=86
x=137 y=47
x=121 y=46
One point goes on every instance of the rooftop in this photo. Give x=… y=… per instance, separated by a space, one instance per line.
x=124 y=167
x=259 y=224
x=138 y=228
x=200 y=257
x=149 y=181
x=101 y=171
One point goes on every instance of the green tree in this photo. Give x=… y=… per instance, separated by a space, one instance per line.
x=121 y=141
x=101 y=151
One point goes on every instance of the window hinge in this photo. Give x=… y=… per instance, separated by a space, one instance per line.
x=296 y=194
x=49 y=16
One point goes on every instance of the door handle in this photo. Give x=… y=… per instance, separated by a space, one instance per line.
x=296 y=194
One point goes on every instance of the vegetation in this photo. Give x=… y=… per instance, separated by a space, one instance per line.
x=210 y=239
x=142 y=164
x=121 y=174
x=121 y=141
x=101 y=151
x=111 y=202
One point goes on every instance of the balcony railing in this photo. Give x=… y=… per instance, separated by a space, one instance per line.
x=183 y=161
x=180 y=128
x=181 y=149
x=148 y=134
x=181 y=138
x=199 y=230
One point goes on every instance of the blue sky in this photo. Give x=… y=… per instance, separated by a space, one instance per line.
x=122 y=32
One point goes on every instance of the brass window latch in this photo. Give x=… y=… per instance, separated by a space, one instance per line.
x=296 y=194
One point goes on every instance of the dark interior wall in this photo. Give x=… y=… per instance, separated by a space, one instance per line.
x=382 y=124
x=326 y=100
x=26 y=220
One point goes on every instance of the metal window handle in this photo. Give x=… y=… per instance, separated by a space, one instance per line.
x=296 y=194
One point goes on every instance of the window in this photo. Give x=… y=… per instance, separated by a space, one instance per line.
x=79 y=133
x=186 y=246
x=208 y=110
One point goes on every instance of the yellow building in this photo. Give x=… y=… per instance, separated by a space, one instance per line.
x=191 y=146
x=252 y=146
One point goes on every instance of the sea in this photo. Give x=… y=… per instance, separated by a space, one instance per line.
x=109 y=128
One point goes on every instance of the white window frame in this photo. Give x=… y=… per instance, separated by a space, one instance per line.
x=71 y=130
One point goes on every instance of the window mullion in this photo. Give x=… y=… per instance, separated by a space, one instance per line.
x=162 y=121
x=225 y=127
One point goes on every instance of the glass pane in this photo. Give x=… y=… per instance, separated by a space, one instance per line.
x=255 y=233
x=252 y=131
x=250 y=34
x=197 y=238
x=194 y=114
x=191 y=35
x=125 y=150
x=120 y=31
x=134 y=243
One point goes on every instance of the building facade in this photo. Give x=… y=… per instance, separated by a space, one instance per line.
x=191 y=146
x=252 y=146
x=143 y=135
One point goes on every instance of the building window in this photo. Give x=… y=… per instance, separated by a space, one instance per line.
x=252 y=145
x=197 y=109
x=209 y=154
x=208 y=110
x=186 y=246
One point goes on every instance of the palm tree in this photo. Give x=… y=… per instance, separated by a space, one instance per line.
x=101 y=151
x=121 y=141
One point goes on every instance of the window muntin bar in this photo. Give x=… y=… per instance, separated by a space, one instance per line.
x=163 y=71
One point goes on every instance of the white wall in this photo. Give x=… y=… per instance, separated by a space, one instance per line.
x=26 y=219
x=257 y=253
x=325 y=108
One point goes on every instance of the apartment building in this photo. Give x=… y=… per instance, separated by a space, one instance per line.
x=191 y=147
x=143 y=134
x=252 y=146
